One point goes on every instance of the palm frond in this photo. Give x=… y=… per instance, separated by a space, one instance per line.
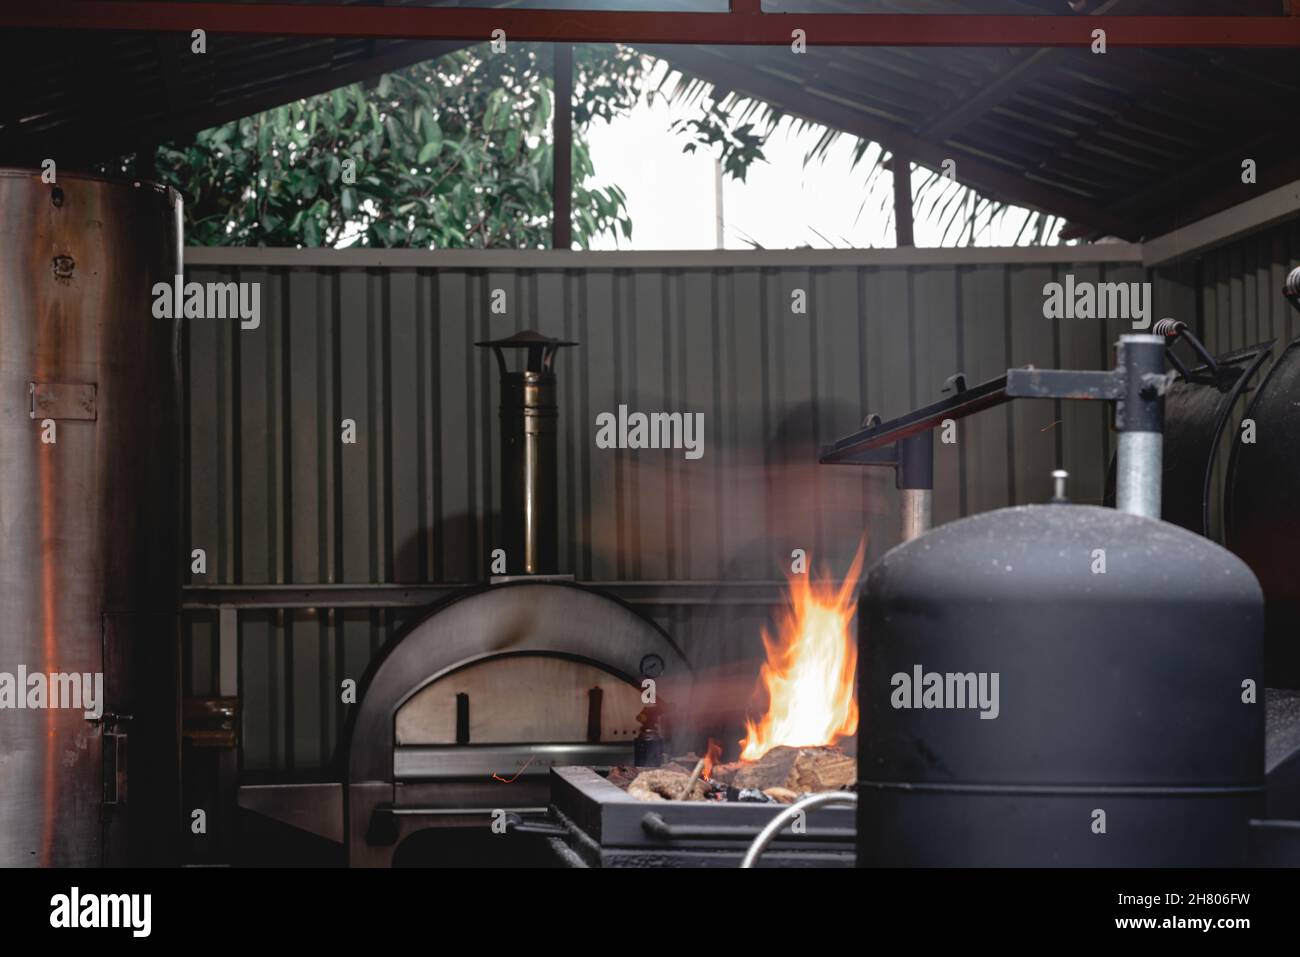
x=959 y=214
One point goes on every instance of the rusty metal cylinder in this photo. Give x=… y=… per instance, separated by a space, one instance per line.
x=89 y=506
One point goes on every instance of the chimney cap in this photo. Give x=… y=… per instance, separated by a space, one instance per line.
x=541 y=350
x=525 y=339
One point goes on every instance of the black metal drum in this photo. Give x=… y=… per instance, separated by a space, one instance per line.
x=1262 y=510
x=1059 y=686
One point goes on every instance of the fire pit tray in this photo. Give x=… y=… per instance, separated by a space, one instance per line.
x=611 y=829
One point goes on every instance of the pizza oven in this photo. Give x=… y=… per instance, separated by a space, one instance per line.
x=461 y=717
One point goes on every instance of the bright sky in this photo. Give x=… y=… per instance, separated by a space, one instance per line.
x=782 y=204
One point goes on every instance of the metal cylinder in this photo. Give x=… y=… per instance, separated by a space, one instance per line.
x=916 y=512
x=1291 y=287
x=914 y=477
x=1138 y=473
x=1059 y=686
x=528 y=471
x=1139 y=419
x=89 y=506
x=529 y=503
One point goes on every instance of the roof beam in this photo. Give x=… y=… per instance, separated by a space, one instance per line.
x=744 y=25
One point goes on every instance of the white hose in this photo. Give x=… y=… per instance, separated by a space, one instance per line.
x=774 y=826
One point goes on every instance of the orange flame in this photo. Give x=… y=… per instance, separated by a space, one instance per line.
x=810 y=668
x=711 y=757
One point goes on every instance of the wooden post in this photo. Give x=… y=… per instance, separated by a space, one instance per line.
x=902 y=200
x=562 y=140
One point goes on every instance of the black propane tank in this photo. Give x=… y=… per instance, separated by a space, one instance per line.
x=1059 y=685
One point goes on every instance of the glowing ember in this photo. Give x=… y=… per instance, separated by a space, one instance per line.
x=809 y=674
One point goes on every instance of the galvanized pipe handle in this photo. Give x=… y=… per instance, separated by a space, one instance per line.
x=914 y=477
x=916 y=513
x=1140 y=421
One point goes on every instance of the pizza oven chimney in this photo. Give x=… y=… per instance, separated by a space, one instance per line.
x=528 y=452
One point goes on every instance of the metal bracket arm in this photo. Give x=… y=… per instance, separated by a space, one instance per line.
x=1137 y=385
x=1031 y=383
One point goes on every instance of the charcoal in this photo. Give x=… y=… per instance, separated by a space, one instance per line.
x=754 y=796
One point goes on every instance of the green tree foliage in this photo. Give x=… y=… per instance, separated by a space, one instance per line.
x=737 y=128
x=454 y=152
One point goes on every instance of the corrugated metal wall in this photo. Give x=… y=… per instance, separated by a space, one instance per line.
x=1242 y=299
x=276 y=497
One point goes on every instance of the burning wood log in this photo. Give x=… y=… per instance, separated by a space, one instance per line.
x=799 y=770
x=662 y=784
x=622 y=775
x=781 y=795
x=724 y=773
x=783 y=775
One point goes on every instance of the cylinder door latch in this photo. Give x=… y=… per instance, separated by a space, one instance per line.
x=62 y=400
